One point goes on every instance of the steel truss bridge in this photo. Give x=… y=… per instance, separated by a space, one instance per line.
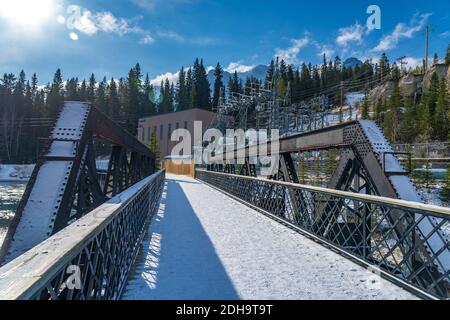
x=70 y=215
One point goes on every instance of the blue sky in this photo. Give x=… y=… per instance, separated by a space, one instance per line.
x=108 y=37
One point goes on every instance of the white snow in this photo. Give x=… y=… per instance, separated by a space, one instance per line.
x=38 y=212
x=354 y=99
x=38 y=216
x=15 y=172
x=3 y=232
x=407 y=191
x=102 y=165
x=205 y=245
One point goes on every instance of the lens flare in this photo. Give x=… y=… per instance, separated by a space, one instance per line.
x=27 y=13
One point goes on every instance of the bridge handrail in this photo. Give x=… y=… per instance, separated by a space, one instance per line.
x=407 y=242
x=441 y=212
x=100 y=248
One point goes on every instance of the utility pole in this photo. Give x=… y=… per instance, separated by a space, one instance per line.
x=427 y=46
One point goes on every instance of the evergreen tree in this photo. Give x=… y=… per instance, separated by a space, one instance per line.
x=234 y=84
x=148 y=98
x=122 y=92
x=296 y=88
x=166 y=100
x=447 y=56
x=182 y=95
x=83 y=91
x=113 y=102
x=384 y=67
x=426 y=178
x=72 y=89
x=172 y=98
x=435 y=59
x=55 y=98
x=269 y=76
x=306 y=83
x=378 y=110
x=154 y=147
x=34 y=86
x=392 y=120
x=408 y=124
x=441 y=115
x=202 y=96
x=433 y=93
x=100 y=97
x=218 y=86
x=190 y=89
x=365 y=106
x=423 y=120
x=133 y=102
x=445 y=194
x=91 y=89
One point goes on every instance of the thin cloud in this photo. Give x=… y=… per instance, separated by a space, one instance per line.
x=349 y=34
x=402 y=31
x=174 y=36
x=173 y=78
x=324 y=50
x=152 y=5
x=290 y=54
x=147 y=39
x=90 y=23
x=146 y=4
x=412 y=62
x=171 y=35
x=239 y=67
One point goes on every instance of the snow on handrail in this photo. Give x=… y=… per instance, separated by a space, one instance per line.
x=442 y=212
x=33 y=274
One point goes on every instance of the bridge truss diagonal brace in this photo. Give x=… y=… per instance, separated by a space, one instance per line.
x=64 y=185
x=367 y=165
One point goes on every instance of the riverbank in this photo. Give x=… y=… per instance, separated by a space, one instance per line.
x=15 y=172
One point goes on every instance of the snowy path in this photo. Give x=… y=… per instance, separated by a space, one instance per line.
x=205 y=245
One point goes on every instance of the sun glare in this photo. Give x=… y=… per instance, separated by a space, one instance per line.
x=27 y=13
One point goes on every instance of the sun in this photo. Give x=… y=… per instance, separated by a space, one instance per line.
x=27 y=13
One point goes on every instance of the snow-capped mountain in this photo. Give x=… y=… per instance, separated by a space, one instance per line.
x=259 y=72
x=352 y=63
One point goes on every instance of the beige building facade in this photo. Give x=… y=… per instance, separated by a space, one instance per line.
x=165 y=124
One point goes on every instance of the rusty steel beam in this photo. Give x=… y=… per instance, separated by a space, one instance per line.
x=322 y=139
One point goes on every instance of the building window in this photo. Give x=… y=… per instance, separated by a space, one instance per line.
x=169 y=131
x=161 y=132
x=177 y=125
x=186 y=125
x=149 y=134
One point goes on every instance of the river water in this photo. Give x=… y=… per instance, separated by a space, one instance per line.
x=10 y=194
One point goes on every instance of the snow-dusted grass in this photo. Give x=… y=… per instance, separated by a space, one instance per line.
x=205 y=245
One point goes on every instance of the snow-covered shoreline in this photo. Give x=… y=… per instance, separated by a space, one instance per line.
x=15 y=172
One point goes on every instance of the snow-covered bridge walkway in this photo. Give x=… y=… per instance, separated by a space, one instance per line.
x=205 y=245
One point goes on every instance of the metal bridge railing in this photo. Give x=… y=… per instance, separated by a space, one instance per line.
x=375 y=231
x=91 y=258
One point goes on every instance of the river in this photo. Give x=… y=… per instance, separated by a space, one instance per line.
x=10 y=194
